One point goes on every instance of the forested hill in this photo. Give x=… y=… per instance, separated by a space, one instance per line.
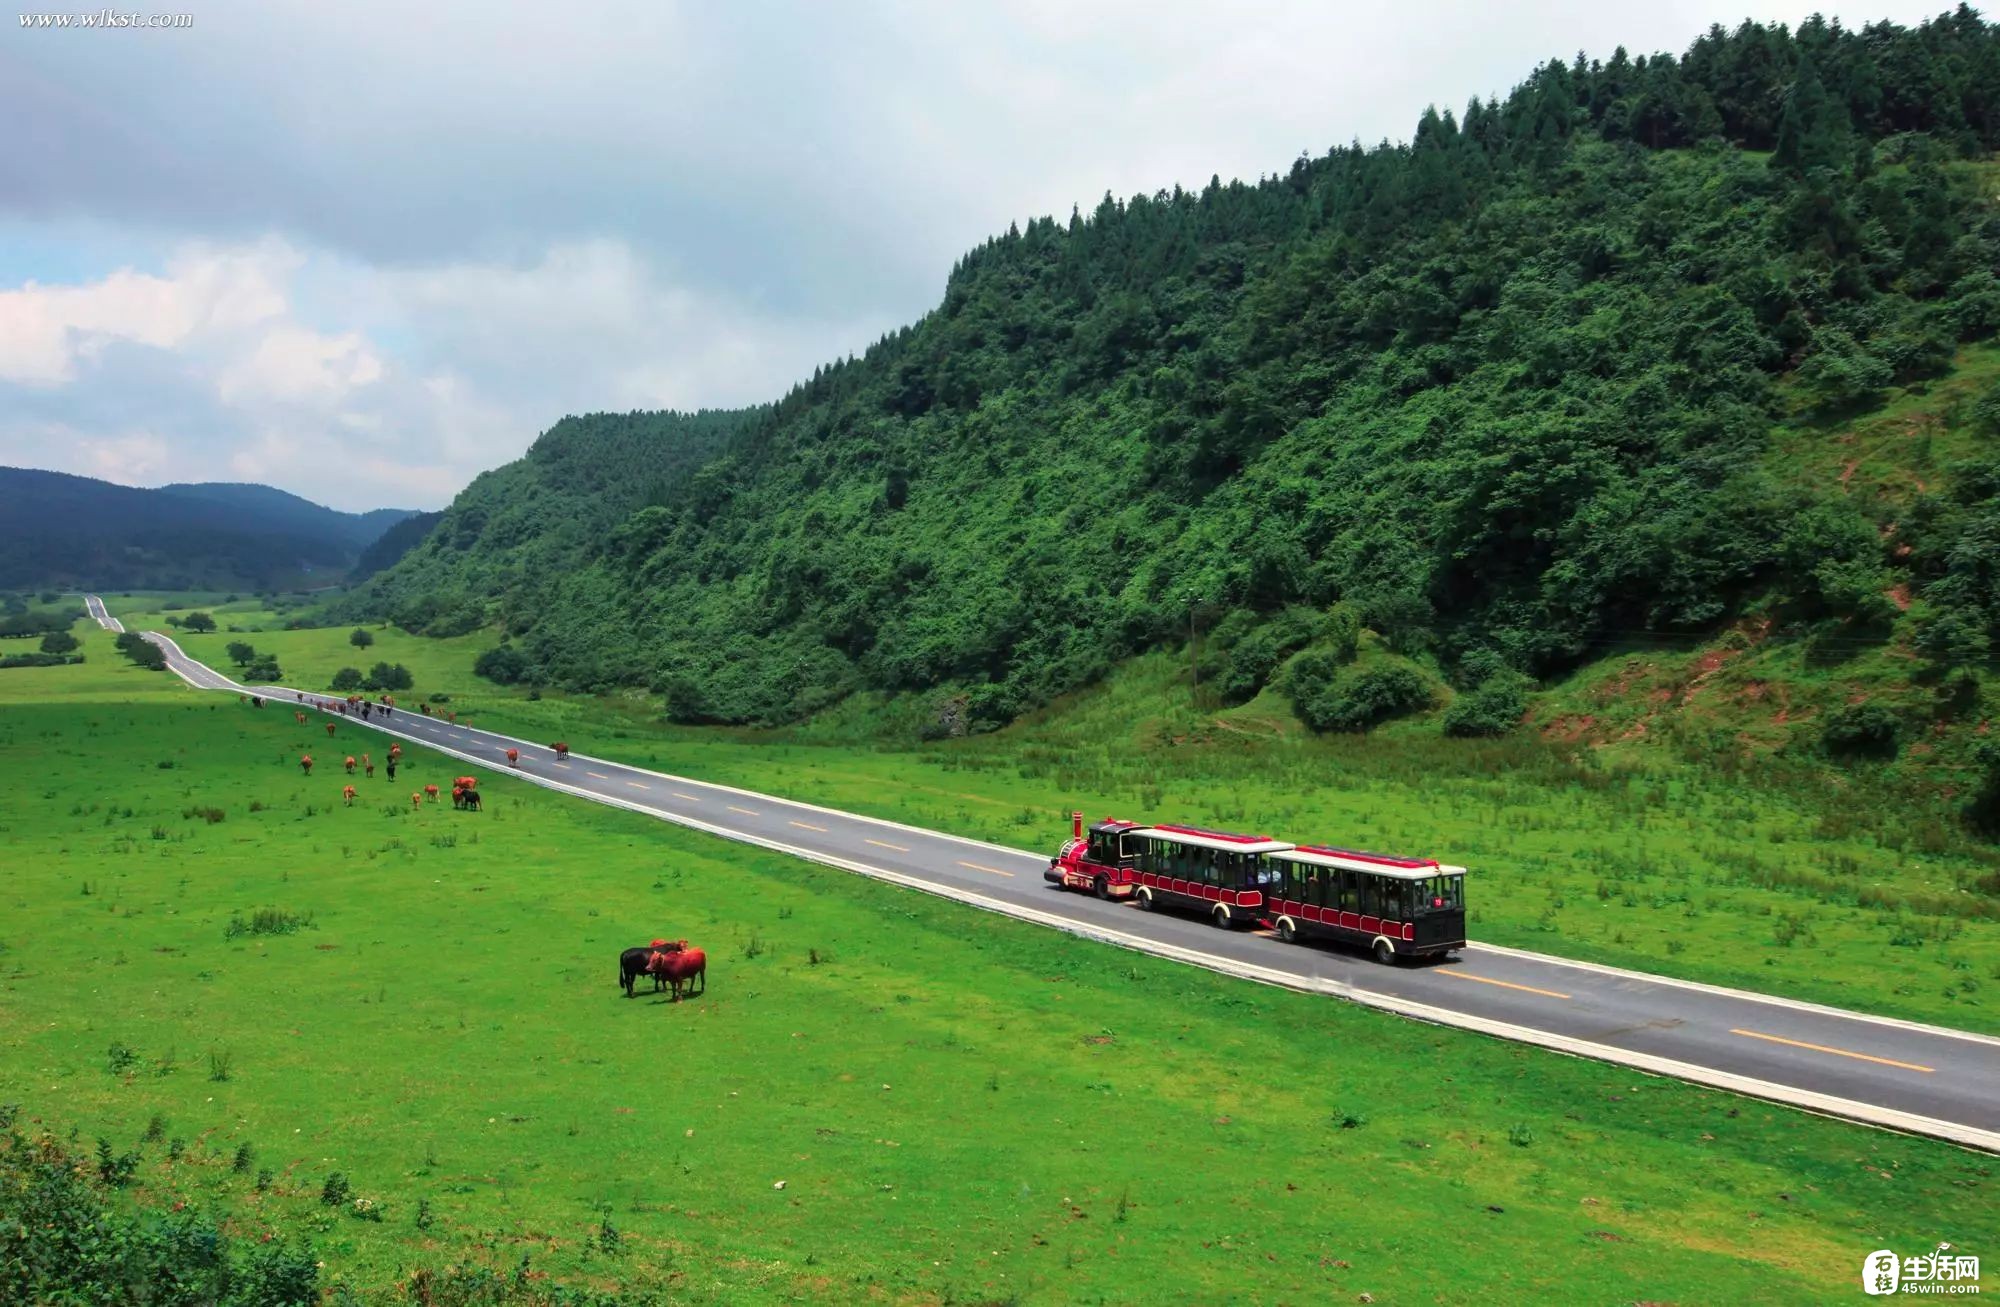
x=58 y=530
x=1504 y=392
x=519 y=530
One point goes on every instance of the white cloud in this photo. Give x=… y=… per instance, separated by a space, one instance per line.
x=362 y=386
x=440 y=230
x=290 y=363
x=45 y=331
x=131 y=460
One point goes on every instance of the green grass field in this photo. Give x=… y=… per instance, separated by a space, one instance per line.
x=960 y=1108
x=1746 y=871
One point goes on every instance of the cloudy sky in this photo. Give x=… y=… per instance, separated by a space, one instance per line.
x=366 y=250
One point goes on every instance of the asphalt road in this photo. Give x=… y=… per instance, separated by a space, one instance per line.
x=1897 y=1074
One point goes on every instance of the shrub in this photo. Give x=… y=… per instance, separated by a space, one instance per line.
x=347 y=678
x=198 y=622
x=1257 y=654
x=334 y=1192
x=1494 y=708
x=1861 y=730
x=60 y=642
x=240 y=652
x=503 y=665
x=390 y=676
x=360 y=638
x=1328 y=697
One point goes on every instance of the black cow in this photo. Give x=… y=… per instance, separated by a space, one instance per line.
x=633 y=963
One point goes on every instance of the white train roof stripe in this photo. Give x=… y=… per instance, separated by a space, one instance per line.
x=1373 y=868
x=1204 y=842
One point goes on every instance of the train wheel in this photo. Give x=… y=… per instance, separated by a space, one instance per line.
x=1385 y=953
x=1147 y=901
x=1220 y=916
x=1101 y=887
x=1287 y=931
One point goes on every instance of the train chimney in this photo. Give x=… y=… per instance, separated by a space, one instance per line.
x=1076 y=823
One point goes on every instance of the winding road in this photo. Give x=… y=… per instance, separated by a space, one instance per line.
x=1897 y=1074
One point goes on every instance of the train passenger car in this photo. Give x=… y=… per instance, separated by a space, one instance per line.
x=1220 y=874
x=1395 y=907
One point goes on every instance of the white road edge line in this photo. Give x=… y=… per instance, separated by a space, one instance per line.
x=1723 y=991
x=1807 y=1099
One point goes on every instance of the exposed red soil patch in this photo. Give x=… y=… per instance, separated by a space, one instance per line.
x=1899 y=595
x=1569 y=728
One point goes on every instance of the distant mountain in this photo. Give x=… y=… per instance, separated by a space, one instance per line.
x=392 y=544
x=285 y=511
x=57 y=529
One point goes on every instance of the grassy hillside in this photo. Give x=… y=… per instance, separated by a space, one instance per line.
x=1553 y=376
x=958 y=1107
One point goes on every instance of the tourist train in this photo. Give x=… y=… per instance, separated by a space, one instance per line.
x=1394 y=907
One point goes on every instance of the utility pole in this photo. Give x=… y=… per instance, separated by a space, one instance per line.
x=1194 y=660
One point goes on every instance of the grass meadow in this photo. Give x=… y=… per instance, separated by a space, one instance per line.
x=882 y=1094
x=1750 y=871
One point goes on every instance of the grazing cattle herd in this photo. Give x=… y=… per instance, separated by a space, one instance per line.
x=672 y=964
x=668 y=960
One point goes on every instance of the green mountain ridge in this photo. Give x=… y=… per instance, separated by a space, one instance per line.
x=294 y=511
x=63 y=531
x=1522 y=391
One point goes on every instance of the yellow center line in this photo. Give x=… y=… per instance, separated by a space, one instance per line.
x=691 y=798
x=598 y=774
x=748 y=812
x=976 y=867
x=1837 y=1052
x=1507 y=984
x=883 y=844
x=806 y=825
x=639 y=785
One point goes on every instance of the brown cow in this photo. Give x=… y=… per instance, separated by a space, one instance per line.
x=329 y=730
x=681 y=966
x=350 y=764
x=416 y=799
x=306 y=763
x=562 y=750
x=430 y=792
x=367 y=765
x=347 y=793
x=301 y=716
x=513 y=757
x=395 y=752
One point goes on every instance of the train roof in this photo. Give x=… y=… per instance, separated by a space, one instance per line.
x=1226 y=841
x=1381 y=864
x=1113 y=825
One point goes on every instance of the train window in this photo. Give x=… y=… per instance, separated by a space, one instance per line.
x=1349 y=901
x=1369 y=899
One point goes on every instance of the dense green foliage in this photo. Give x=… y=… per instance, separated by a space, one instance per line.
x=141 y=651
x=397 y=541
x=1504 y=389
x=63 y=1240
x=519 y=532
